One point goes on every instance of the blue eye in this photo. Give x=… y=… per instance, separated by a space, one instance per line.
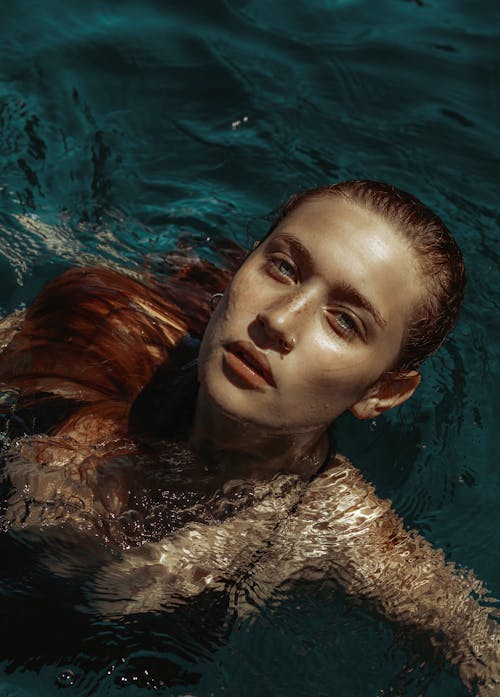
x=344 y=324
x=347 y=322
x=284 y=267
x=281 y=269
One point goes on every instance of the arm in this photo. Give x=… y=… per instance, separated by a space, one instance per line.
x=341 y=531
x=345 y=531
x=199 y=556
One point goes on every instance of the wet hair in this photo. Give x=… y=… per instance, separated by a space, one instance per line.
x=440 y=259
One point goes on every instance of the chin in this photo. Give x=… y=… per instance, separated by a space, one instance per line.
x=230 y=401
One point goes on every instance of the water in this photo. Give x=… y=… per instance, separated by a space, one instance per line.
x=127 y=126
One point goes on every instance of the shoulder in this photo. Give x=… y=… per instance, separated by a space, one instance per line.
x=339 y=472
x=340 y=498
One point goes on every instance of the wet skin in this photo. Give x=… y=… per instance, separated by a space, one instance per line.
x=311 y=321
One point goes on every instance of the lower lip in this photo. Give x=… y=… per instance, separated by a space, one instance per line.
x=241 y=373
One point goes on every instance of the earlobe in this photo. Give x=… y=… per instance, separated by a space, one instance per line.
x=391 y=390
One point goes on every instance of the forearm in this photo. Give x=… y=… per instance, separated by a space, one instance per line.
x=400 y=576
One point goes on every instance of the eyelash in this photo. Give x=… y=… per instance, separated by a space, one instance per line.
x=334 y=322
x=273 y=264
x=346 y=332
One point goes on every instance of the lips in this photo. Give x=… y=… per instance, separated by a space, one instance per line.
x=253 y=361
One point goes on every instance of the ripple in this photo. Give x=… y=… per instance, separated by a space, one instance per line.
x=117 y=138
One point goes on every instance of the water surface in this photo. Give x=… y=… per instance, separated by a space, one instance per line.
x=125 y=127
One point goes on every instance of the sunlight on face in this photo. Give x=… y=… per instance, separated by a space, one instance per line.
x=312 y=319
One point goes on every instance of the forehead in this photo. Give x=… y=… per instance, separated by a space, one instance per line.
x=339 y=229
x=329 y=218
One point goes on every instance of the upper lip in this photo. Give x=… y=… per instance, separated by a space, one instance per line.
x=257 y=360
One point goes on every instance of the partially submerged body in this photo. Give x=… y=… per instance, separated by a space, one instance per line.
x=188 y=528
x=233 y=479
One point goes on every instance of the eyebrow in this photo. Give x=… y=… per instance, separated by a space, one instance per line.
x=353 y=296
x=348 y=292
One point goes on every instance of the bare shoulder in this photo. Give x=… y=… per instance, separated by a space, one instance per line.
x=340 y=494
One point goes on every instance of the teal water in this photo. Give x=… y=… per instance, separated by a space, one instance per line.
x=127 y=126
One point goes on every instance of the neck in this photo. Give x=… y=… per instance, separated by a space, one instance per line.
x=250 y=450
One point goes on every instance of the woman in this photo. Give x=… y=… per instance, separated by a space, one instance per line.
x=335 y=310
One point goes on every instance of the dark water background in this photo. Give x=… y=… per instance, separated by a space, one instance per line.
x=127 y=125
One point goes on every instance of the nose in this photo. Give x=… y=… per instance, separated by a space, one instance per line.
x=281 y=337
x=280 y=322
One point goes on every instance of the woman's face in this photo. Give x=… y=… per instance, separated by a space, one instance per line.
x=315 y=315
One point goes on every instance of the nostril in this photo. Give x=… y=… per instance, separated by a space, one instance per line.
x=287 y=344
x=281 y=339
x=262 y=321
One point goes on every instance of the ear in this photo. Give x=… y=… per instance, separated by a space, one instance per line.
x=391 y=390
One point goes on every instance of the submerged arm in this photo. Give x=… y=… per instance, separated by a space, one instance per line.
x=340 y=531
x=344 y=530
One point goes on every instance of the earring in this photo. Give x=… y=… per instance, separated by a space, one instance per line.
x=287 y=344
x=214 y=300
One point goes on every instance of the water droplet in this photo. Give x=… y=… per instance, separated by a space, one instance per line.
x=238 y=122
x=66 y=678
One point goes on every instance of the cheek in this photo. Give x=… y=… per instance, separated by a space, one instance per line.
x=213 y=330
x=241 y=295
x=226 y=319
x=338 y=373
x=237 y=309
